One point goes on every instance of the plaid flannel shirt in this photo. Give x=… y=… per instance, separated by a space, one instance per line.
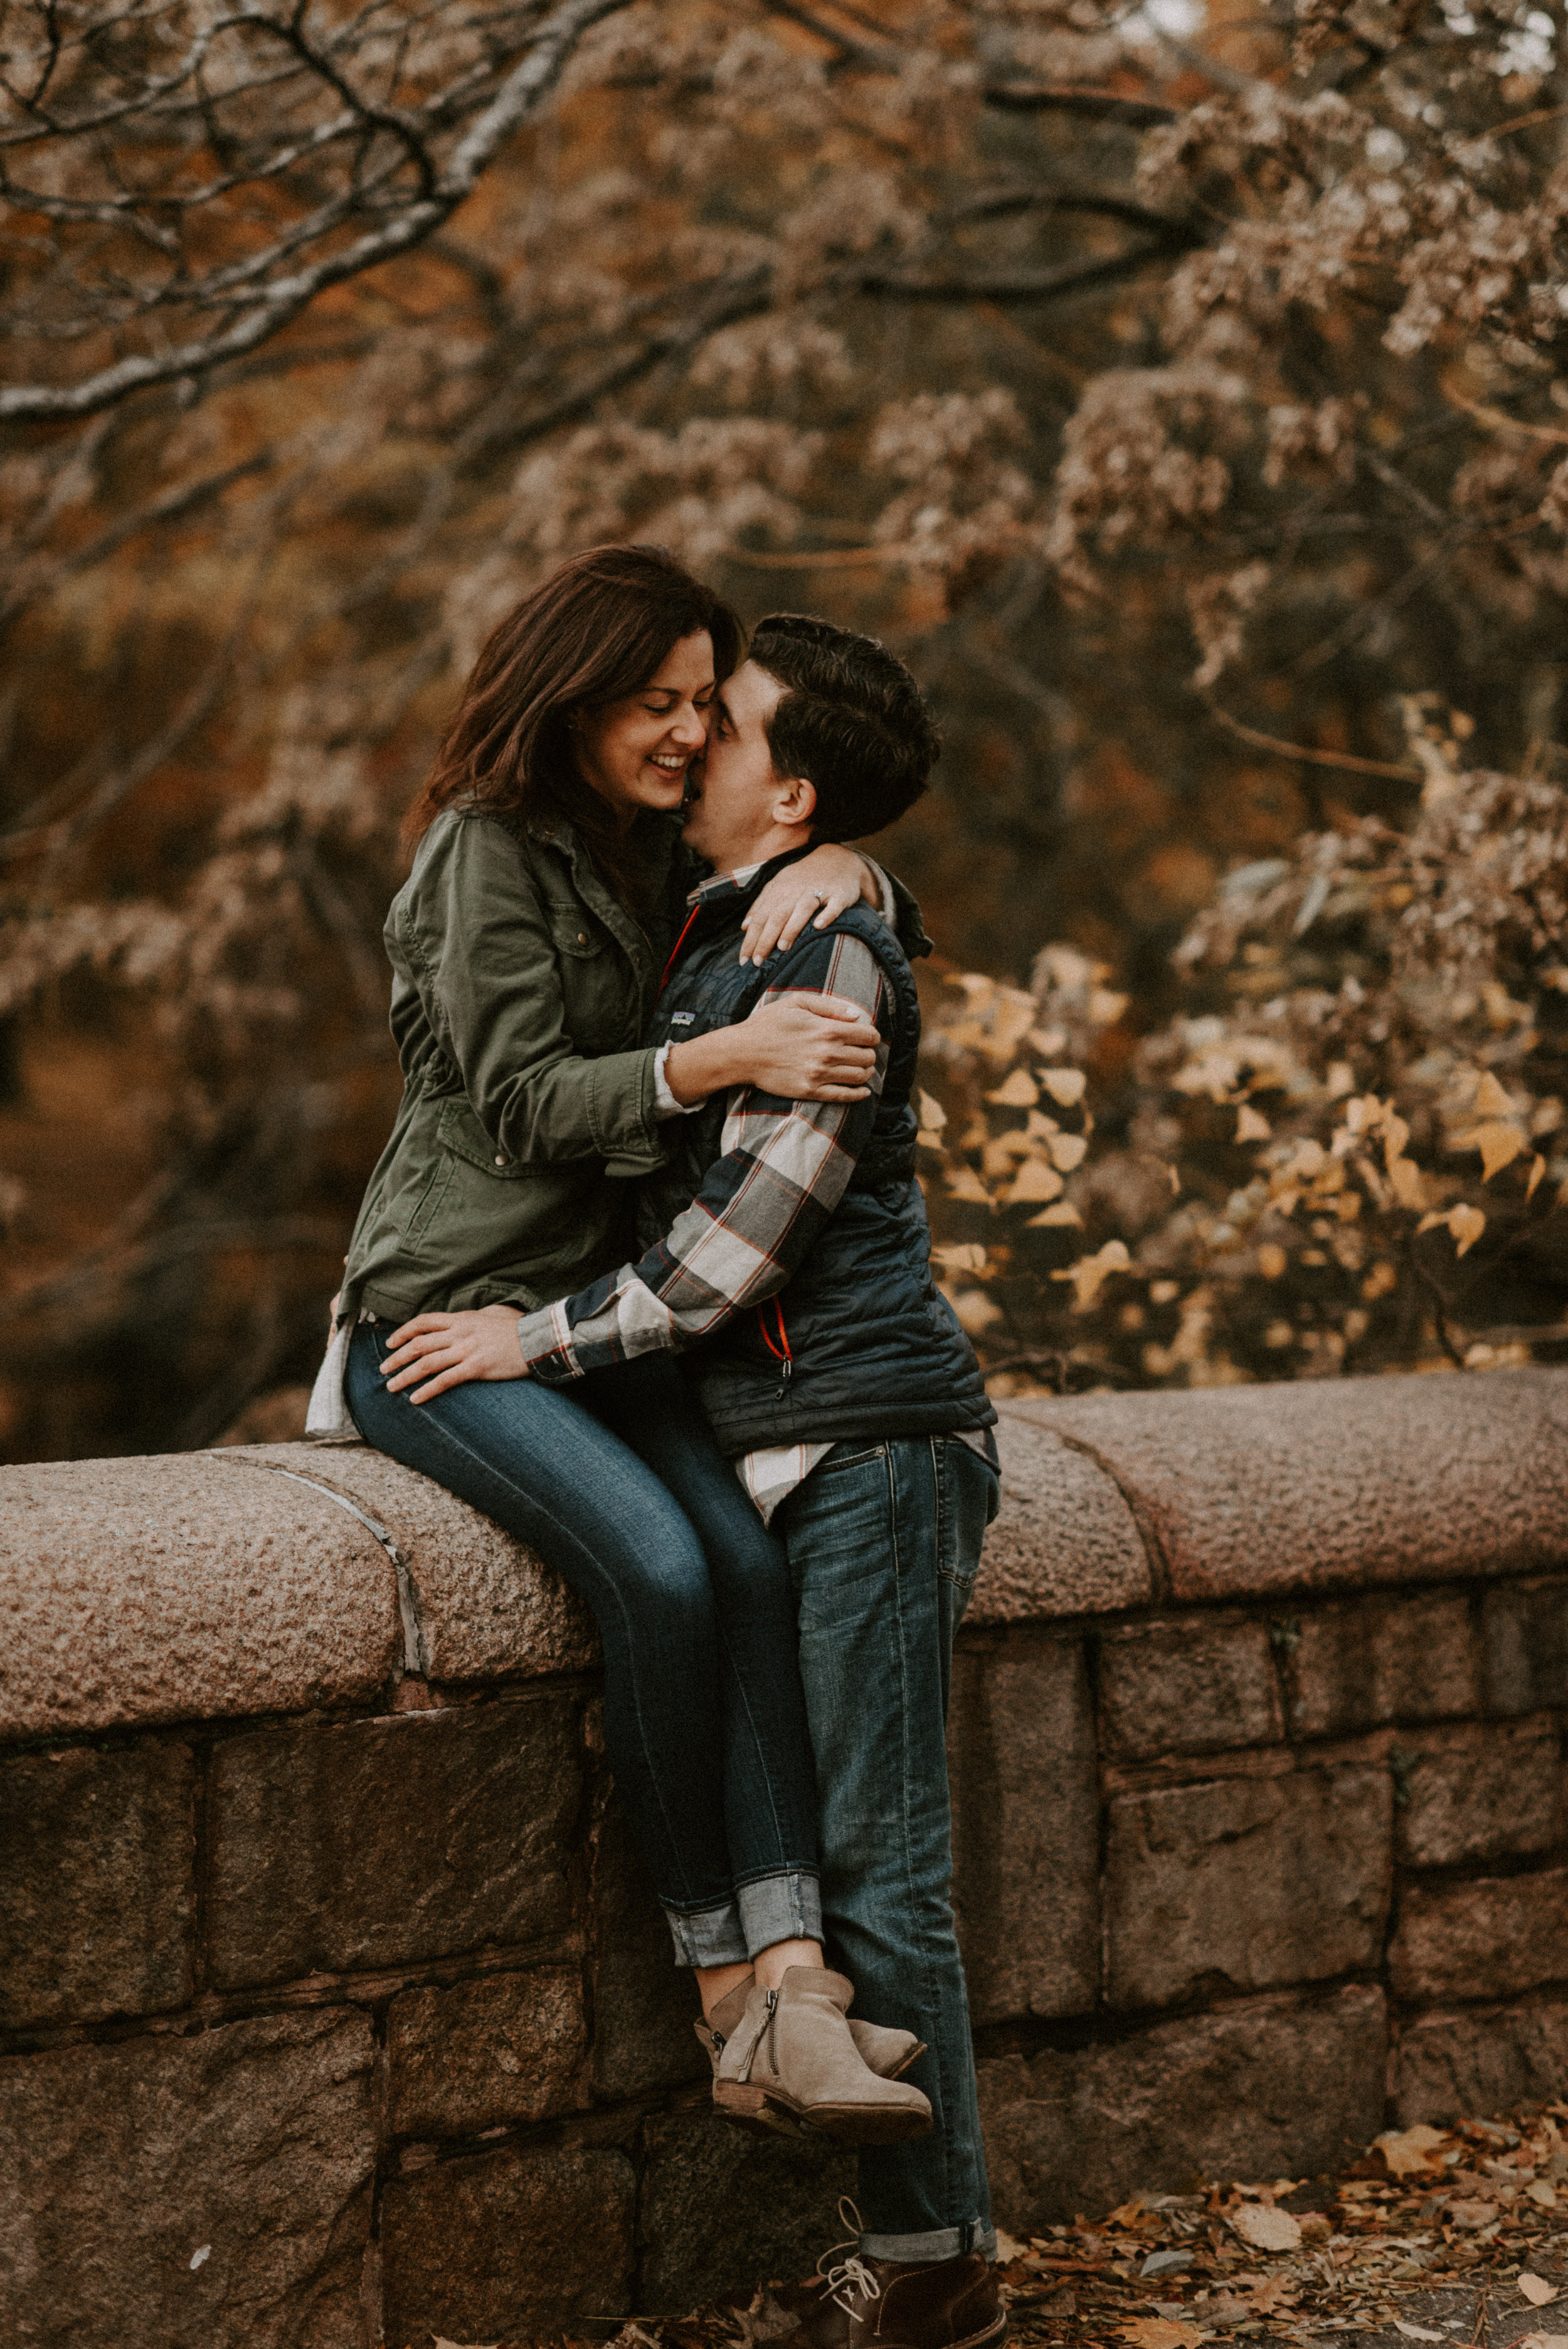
x=785 y=1165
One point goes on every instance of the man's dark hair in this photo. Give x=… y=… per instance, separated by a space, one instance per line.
x=852 y=723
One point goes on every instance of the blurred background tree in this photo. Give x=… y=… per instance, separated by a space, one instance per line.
x=1180 y=391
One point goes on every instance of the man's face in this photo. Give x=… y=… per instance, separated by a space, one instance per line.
x=734 y=817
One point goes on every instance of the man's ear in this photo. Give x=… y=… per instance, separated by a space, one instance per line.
x=797 y=801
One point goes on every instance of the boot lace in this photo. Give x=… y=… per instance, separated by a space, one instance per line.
x=844 y=2277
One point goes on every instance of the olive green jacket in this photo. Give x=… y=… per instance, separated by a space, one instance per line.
x=520 y=990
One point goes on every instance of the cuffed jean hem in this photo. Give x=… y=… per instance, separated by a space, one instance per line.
x=707 y=1937
x=940 y=2243
x=783 y=1908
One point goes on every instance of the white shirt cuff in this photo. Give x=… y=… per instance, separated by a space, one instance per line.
x=664 y=1102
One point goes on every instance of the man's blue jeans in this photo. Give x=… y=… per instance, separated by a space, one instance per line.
x=620 y=1486
x=884 y=1541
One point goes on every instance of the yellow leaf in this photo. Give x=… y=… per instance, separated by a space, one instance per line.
x=966 y=1256
x=1040 y=1127
x=1104 y=1008
x=1066 y=1151
x=1272 y=1260
x=1490 y=1100
x=1498 y=1145
x=964 y=1183
x=1060 y=1214
x=1090 y=1272
x=1467 y=1225
x=976 y=1312
x=1020 y=1091
x=1064 y=1085
x=1252 y=1125
x=997 y=1156
x=1537 y=1169
x=1396 y=1133
x=932 y=1116
x=1049 y=1040
x=1036 y=1180
x=1405 y=1177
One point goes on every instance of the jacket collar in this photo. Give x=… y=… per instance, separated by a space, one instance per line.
x=733 y=892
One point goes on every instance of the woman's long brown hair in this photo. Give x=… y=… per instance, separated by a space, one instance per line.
x=597 y=630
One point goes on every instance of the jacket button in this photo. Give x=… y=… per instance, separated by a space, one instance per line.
x=581 y=937
x=502 y=1159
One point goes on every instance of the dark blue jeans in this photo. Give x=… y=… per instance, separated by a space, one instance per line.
x=620 y=1486
x=885 y=1543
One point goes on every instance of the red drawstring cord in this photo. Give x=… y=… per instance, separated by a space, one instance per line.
x=675 y=950
x=780 y=1352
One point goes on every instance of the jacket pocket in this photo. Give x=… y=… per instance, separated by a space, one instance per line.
x=460 y=1132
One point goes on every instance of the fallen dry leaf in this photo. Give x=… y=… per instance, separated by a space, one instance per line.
x=1536 y=2290
x=1543 y=2340
x=1540 y=2189
x=1406 y=2151
x=437 y=2342
x=1415 y=2332
x=1160 y=2333
x=1267 y=2229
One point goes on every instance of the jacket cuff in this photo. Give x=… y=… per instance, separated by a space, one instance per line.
x=622 y=1114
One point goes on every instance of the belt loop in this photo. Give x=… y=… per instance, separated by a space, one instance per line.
x=966 y=2234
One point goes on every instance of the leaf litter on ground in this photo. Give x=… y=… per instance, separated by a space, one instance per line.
x=1455 y=2235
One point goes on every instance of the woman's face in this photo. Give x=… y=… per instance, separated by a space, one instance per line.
x=635 y=752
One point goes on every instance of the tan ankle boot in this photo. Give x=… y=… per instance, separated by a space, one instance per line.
x=887 y=2052
x=792 y=2055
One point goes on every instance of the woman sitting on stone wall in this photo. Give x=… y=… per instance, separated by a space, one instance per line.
x=528 y=948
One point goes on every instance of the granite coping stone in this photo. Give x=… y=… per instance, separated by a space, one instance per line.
x=279 y=1579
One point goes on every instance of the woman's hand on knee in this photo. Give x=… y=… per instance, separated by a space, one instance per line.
x=446 y=1349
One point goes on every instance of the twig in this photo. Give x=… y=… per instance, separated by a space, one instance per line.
x=1298 y=751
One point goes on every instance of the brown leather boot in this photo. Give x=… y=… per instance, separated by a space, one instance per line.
x=887 y=2052
x=791 y=2057
x=894 y=2304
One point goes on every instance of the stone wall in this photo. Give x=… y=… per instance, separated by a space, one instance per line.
x=336 y=2010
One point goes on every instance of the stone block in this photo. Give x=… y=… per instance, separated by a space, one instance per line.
x=1253 y=2091
x=1525 y=1632
x=513 y=2244
x=1333 y=1484
x=1480 y=1792
x=204 y=2193
x=1486 y=2060
x=1353 y=1668
x=1246 y=1884
x=722 y=2212
x=1065 y=1541
x=488 y=1607
x=391 y=1842
x=1187 y=1687
x=485 y=2054
x=1490 y=1938
x=1026 y=1813
x=97 y=1888
x=140 y=1591
x=643 y=2003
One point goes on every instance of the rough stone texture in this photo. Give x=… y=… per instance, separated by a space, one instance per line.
x=1488 y=1938
x=97 y=1892
x=1525 y=1633
x=1063 y=1542
x=121 y=2164
x=386 y=1842
x=1481 y=1792
x=1337 y=1482
x=488 y=2053
x=177 y=1589
x=722 y=2212
x=1025 y=1828
x=1350 y=1668
x=1252 y=2091
x=513 y=2244
x=644 y=2004
x=488 y=1607
x=1446 y=2065
x=1184 y=1688
x=1245 y=1883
